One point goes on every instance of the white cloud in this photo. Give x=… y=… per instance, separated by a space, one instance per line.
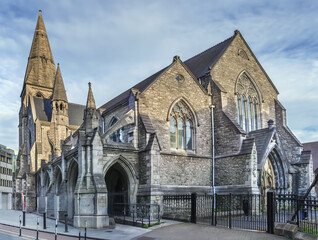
x=115 y=44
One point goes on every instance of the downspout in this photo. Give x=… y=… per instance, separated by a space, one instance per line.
x=136 y=132
x=213 y=138
x=213 y=150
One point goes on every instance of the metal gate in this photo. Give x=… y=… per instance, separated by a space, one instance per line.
x=246 y=211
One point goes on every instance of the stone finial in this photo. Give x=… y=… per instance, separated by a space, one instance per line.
x=175 y=58
x=90 y=98
x=236 y=32
x=270 y=124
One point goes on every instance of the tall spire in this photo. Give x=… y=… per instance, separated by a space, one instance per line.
x=59 y=92
x=90 y=98
x=41 y=68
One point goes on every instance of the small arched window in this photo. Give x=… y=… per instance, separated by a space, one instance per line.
x=181 y=127
x=247 y=103
x=61 y=106
x=113 y=121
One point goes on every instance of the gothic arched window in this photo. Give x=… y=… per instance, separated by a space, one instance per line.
x=181 y=127
x=247 y=103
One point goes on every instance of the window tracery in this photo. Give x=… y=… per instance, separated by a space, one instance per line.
x=247 y=103
x=181 y=127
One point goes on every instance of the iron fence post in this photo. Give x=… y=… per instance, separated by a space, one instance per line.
x=230 y=213
x=215 y=210
x=212 y=222
x=194 y=208
x=298 y=209
x=270 y=212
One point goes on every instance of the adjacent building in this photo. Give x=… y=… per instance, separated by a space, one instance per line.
x=7 y=156
x=158 y=137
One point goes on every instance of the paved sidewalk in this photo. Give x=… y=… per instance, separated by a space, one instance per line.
x=168 y=230
x=121 y=232
x=188 y=231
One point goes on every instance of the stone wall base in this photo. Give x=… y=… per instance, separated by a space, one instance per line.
x=91 y=221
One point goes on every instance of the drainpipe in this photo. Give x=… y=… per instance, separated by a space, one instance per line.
x=213 y=152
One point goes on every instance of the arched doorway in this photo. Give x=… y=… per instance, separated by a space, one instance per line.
x=72 y=180
x=117 y=186
x=268 y=178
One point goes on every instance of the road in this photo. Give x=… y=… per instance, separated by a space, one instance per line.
x=11 y=236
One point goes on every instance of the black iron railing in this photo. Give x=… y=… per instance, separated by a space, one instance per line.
x=177 y=207
x=248 y=211
x=136 y=214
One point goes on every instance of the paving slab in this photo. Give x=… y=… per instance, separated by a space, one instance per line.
x=188 y=231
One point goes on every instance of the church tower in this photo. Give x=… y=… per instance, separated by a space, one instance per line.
x=38 y=83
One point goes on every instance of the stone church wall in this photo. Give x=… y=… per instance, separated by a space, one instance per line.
x=185 y=170
x=290 y=145
x=226 y=72
x=227 y=140
x=158 y=98
x=232 y=170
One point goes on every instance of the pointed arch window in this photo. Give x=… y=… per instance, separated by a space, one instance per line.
x=247 y=99
x=181 y=127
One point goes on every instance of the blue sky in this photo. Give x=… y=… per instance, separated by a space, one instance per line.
x=115 y=44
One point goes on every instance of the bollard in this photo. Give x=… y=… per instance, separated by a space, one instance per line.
x=79 y=235
x=85 y=230
x=37 y=229
x=85 y=233
x=66 y=220
x=23 y=218
x=55 y=229
x=20 y=226
x=44 y=220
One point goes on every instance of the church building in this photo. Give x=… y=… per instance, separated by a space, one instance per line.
x=210 y=123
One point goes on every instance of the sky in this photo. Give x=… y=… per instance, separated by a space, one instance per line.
x=116 y=44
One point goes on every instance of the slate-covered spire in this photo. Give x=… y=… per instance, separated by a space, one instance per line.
x=59 y=92
x=41 y=68
x=90 y=98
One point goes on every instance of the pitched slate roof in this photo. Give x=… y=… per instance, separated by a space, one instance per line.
x=261 y=138
x=313 y=147
x=247 y=146
x=43 y=108
x=76 y=114
x=123 y=98
x=198 y=65
x=147 y=123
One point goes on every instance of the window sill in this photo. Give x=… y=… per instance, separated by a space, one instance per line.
x=181 y=152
